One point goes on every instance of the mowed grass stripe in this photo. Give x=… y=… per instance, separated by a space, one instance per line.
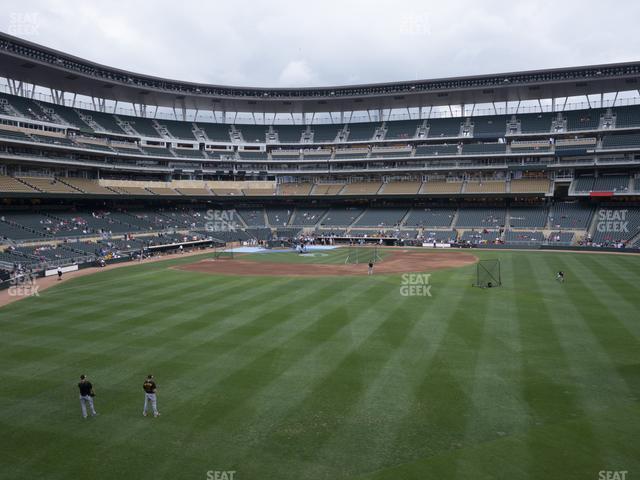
x=549 y=388
x=554 y=440
x=259 y=373
x=600 y=331
x=60 y=293
x=384 y=404
x=327 y=362
x=360 y=449
x=436 y=416
x=497 y=397
x=231 y=350
x=87 y=303
x=595 y=379
x=610 y=279
x=137 y=356
x=320 y=317
x=117 y=281
x=136 y=409
x=86 y=313
x=219 y=409
x=141 y=317
x=85 y=350
x=177 y=391
x=413 y=432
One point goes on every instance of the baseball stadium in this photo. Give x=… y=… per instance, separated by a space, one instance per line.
x=424 y=279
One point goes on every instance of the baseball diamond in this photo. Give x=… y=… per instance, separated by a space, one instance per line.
x=266 y=255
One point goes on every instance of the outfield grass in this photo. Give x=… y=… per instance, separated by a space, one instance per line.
x=329 y=378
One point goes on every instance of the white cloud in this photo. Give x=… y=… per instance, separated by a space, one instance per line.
x=286 y=43
x=297 y=73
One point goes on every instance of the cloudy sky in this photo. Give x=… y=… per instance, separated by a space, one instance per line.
x=329 y=42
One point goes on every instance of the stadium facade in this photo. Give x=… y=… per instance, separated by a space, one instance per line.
x=88 y=151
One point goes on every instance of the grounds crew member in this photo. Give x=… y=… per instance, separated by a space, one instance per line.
x=149 y=387
x=86 y=396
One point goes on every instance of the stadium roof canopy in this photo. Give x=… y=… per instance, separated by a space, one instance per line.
x=24 y=61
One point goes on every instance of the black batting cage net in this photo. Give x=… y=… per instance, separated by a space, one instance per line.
x=488 y=274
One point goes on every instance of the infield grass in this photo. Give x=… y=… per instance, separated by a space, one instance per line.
x=337 y=256
x=329 y=377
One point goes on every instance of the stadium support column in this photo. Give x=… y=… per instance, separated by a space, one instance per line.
x=58 y=96
x=15 y=88
x=183 y=111
x=140 y=109
x=430 y=112
x=101 y=104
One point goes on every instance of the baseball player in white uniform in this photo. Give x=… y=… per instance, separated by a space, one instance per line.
x=149 y=387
